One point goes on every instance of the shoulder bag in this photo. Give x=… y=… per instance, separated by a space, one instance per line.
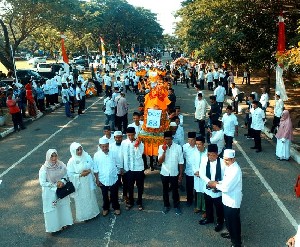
x=66 y=190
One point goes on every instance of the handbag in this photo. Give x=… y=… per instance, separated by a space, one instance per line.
x=297 y=187
x=66 y=190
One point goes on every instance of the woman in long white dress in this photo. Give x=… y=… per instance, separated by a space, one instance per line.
x=284 y=136
x=80 y=172
x=57 y=213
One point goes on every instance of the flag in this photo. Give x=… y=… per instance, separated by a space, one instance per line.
x=281 y=34
x=280 y=52
x=102 y=46
x=63 y=49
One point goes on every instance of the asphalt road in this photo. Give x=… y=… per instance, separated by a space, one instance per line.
x=269 y=207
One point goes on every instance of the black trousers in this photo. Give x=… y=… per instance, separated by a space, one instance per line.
x=201 y=124
x=236 y=106
x=189 y=181
x=166 y=181
x=113 y=196
x=122 y=121
x=228 y=141
x=17 y=120
x=210 y=85
x=276 y=122
x=80 y=106
x=135 y=177
x=233 y=225
x=187 y=82
x=257 y=139
x=107 y=90
x=220 y=104
x=202 y=84
x=124 y=178
x=209 y=205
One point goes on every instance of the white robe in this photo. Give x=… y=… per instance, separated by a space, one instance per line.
x=283 y=149
x=84 y=196
x=198 y=182
x=55 y=216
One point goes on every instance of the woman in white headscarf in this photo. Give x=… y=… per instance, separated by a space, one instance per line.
x=80 y=172
x=52 y=175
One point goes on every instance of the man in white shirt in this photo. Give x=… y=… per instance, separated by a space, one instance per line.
x=201 y=77
x=217 y=135
x=231 y=187
x=109 y=106
x=199 y=156
x=264 y=99
x=278 y=109
x=179 y=115
x=107 y=134
x=79 y=98
x=220 y=93
x=107 y=83
x=177 y=131
x=230 y=127
x=116 y=148
x=171 y=158
x=209 y=79
x=200 y=113
x=235 y=97
x=258 y=118
x=188 y=154
x=66 y=100
x=106 y=174
x=132 y=151
x=216 y=75
x=212 y=169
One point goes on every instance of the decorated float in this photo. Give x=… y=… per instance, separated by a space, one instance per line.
x=156 y=120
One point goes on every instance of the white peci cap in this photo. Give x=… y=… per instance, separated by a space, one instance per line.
x=229 y=153
x=103 y=141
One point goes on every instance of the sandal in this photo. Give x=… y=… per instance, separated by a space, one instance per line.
x=140 y=207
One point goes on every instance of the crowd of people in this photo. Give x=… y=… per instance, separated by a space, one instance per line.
x=213 y=178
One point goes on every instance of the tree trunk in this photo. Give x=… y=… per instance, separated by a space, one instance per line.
x=5 y=54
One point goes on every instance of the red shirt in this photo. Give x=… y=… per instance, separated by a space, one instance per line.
x=12 y=106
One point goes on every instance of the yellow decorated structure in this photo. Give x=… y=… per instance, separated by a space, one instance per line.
x=156 y=99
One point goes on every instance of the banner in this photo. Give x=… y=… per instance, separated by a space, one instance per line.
x=280 y=51
x=153 y=118
x=63 y=49
x=102 y=50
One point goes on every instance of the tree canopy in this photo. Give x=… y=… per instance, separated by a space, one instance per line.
x=235 y=31
x=37 y=24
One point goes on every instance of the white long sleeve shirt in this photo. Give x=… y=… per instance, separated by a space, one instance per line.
x=173 y=157
x=105 y=166
x=220 y=93
x=202 y=173
x=188 y=155
x=264 y=99
x=132 y=156
x=217 y=137
x=231 y=186
x=199 y=157
x=258 y=116
x=278 y=109
x=229 y=124
x=201 y=108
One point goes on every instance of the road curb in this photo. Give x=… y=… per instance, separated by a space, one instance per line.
x=294 y=153
x=29 y=120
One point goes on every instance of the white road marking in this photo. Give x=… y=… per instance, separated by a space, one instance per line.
x=109 y=233
x=42 y=143
x=269 y=189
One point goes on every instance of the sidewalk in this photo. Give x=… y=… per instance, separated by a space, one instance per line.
x=8 y=129
x=295 y=146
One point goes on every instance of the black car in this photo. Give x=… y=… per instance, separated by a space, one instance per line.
x=24 y=75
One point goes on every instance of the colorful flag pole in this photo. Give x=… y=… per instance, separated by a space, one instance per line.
x=280 y=54
x=102 y=50
x=64 y=55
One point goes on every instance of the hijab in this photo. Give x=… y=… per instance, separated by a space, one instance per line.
x=285 y=126
x=75 y=157
x=54 y=171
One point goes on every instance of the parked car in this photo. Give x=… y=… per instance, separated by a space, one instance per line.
x=24 y=75
x=43 y=67
x=35 y=60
